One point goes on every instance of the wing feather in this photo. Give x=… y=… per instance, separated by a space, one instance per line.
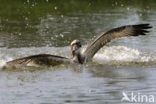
x=39 y=60
x=104 y=38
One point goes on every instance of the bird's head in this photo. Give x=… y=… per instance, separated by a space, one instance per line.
x=75 y=45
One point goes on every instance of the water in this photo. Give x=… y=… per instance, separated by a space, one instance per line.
x=126 y=64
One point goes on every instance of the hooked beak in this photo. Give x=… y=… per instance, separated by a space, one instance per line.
x=79 y=44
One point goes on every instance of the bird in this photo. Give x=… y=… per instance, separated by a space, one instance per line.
x=78 y=55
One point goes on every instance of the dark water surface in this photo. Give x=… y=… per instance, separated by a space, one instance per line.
x=48 y=26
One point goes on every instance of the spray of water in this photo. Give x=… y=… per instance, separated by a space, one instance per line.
x=120 y=54
x=106 y=55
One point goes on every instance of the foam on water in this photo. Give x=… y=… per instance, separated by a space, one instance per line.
x=121 y=54
x=104 y=56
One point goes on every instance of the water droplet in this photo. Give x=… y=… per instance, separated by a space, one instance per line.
x=140 y=14
x=128 y=8
x=52 y=38
x=26 y=18
x=122 y=5
x=33 y=5
x=61 y=35
x=62 y=16
x=116 y=3
x=55 y=8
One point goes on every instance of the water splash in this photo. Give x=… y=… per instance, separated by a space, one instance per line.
x=106 y=55
x=121 y=54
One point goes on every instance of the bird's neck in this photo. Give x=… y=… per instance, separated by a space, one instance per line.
x=77 y=57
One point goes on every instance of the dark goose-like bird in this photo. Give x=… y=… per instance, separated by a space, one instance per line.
x=79 y=56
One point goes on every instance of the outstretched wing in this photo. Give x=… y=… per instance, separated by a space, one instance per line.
x=104 y=38
x=39 y=60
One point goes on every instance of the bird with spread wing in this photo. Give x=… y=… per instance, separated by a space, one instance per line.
x=79 y=56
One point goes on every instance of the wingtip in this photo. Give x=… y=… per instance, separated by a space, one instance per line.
x=146 y=26
x=142 y=29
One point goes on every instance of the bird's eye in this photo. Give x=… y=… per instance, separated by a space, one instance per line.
x=79 y=44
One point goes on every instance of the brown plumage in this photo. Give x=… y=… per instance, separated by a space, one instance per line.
x=39 y=60
x=77 y=55
x=104 y=38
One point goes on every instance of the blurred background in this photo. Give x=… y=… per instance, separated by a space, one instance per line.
x=28 y=23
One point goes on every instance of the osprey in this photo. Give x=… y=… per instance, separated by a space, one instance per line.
x=79 y=56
